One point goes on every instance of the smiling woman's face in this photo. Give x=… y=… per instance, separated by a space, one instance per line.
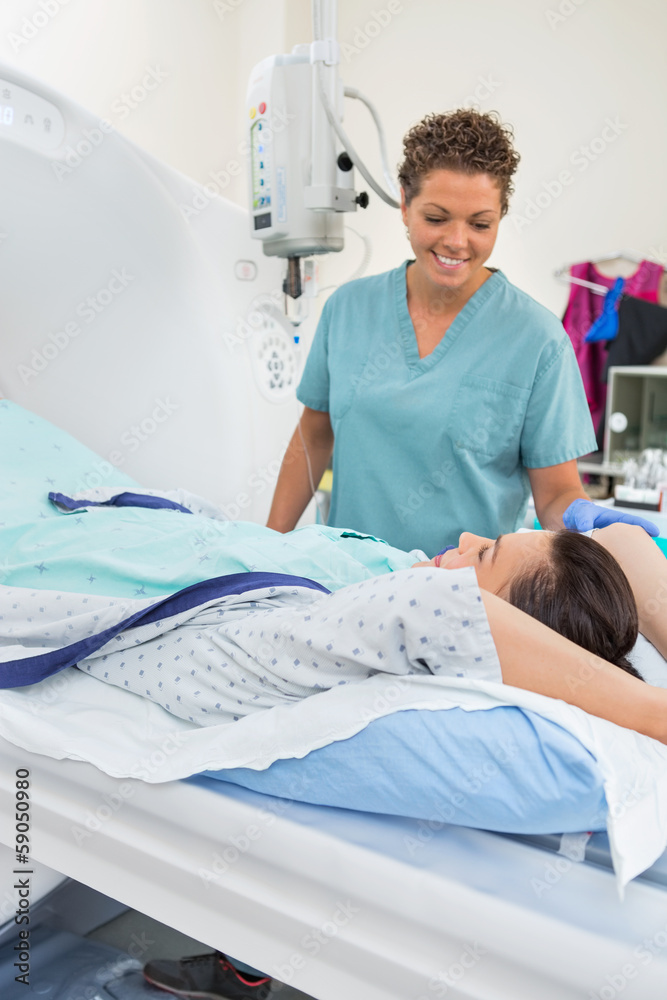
x=496 y=562
x=452 y=226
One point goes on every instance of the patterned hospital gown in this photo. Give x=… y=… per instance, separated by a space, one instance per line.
x=227 y=662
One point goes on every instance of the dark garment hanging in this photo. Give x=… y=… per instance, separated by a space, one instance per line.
x=642 y=334
x=641 y=337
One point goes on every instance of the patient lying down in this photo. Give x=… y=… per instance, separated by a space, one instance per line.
x=566 y=580
x=227 y=662
x=539 y=659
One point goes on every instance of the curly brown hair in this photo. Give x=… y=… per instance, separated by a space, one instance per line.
x=465 y=140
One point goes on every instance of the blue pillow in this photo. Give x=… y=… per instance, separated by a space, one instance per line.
x=502 y=769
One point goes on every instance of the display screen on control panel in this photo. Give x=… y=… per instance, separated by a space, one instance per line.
x=29 y=119
x=259 y=159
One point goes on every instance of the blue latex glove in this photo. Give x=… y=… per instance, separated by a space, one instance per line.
x=605 y=326
x=582 y=515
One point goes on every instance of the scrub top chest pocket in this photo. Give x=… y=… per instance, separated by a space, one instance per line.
x=488 y=418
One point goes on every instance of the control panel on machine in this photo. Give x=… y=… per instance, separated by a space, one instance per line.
x=29 y=119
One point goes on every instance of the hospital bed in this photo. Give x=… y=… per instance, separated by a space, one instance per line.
x=330 y=900
x=180 y=343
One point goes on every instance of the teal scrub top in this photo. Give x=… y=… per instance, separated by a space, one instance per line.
x=426 y=448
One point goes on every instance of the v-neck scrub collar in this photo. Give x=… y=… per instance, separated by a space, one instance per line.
x=461 y=321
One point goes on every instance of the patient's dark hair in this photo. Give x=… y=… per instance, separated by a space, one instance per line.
x=582 y=592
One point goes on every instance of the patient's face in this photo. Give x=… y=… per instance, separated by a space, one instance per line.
x=497 y=561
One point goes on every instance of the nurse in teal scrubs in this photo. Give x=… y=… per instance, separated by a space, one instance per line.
x=446 y=394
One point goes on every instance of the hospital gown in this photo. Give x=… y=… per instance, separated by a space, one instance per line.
x=228 y=661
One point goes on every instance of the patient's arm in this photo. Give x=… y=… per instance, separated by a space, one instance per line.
x=536 y=658
x=646 y=569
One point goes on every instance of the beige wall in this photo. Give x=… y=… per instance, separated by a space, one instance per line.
x=557 y=69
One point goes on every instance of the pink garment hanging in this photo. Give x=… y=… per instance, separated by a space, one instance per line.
x=583 y=308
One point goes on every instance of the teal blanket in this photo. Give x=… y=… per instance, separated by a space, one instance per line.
x=140 y=552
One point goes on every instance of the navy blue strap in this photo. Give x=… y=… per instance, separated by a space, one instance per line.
x=31 y=669
x=126 y=499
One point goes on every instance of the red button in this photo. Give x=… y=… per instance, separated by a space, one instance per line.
x=261 y=108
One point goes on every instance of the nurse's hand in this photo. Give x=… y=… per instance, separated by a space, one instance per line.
x=582 y=515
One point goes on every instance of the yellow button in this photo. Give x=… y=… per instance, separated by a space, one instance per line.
x=253 y=112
